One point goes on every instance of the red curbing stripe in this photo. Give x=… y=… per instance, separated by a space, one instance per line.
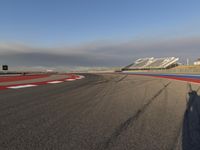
x=3 y=87
x=20 y=78
x=71 y=78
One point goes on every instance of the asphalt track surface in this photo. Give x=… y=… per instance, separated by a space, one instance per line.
x=99 y=112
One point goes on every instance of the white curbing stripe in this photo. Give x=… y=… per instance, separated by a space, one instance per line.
x=54 y=82
x=70 y=79
x=21 y=86
x=51 y=82
x=80 y=77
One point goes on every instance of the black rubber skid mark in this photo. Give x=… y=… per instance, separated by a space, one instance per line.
x=121 y=79
x=125 y=125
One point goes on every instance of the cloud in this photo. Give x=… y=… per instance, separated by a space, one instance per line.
x=48 y=59
x=98 y=53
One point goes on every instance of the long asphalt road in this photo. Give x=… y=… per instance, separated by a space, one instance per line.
x=99 y=112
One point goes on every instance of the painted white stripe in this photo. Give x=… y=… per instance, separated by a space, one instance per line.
x=70 y=79
x=54 y=82
x=21 y=86
x=80 y=77
x=195 y=83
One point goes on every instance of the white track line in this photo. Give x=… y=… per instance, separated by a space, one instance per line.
x=21 y=86
x=54 y=82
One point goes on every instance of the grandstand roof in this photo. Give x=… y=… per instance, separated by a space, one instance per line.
x=152 y=63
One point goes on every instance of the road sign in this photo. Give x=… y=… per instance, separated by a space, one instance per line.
x=5 y=67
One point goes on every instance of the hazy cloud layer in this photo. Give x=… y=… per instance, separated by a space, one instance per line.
x=102 y=53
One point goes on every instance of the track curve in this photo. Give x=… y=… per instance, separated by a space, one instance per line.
x=101 y=111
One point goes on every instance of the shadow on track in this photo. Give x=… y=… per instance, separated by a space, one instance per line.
x=191 y=122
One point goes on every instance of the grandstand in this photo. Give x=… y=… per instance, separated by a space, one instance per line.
x=197 y=62
x=152 y=63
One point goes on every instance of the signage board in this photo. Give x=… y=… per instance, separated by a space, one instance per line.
x=5 y=67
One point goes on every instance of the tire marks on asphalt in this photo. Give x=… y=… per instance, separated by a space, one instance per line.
x=125 y=125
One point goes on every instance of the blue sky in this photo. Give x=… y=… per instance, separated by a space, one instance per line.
x=77 y=23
